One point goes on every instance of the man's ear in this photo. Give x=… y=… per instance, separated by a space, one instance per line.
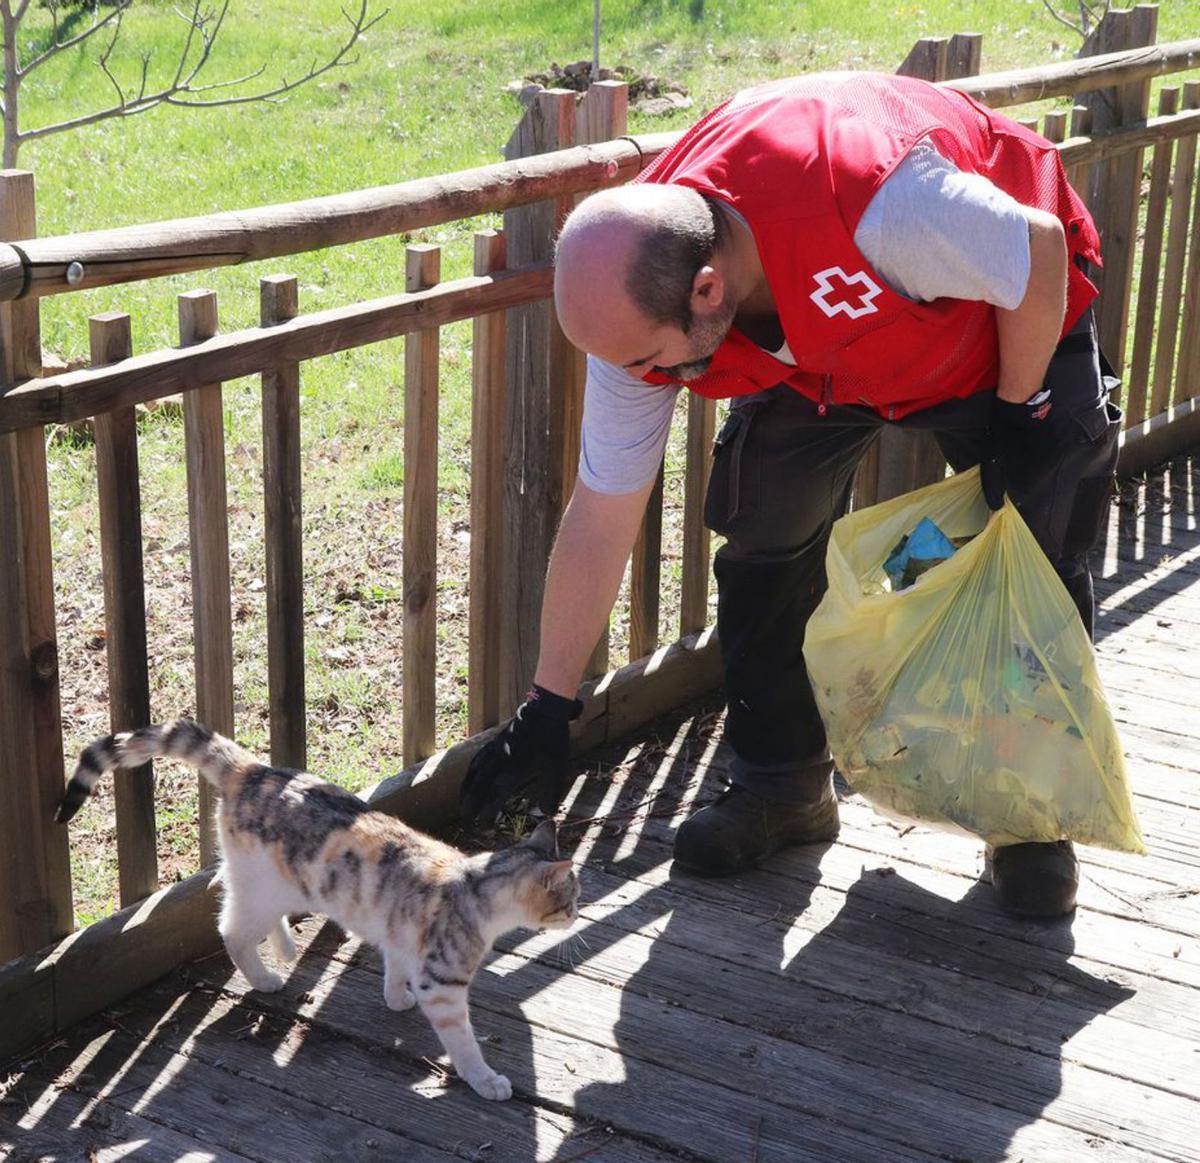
x=708 y=290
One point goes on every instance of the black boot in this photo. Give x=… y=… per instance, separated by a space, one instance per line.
x=742 y=828
x=1035 y=880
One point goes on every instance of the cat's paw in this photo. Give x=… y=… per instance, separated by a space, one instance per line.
x=266 y=982
x=491 y=1085
x=399 y=999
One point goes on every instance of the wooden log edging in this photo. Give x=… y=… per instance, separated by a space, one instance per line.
x=44 y=993
x=1155 y=441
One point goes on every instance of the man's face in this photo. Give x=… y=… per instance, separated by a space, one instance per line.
x=683 y=355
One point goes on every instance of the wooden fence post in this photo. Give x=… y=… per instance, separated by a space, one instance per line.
x=1081 y=126
x=537 y=369
x=965 y=55
x=279 y=301
x=35 y=873
x=927 y=59
x=118 y=485
x=1115 y=185
x=423 y=270
x=645 y=578
x=208 y=522
x=485 y=624
x=1182 y=184
x=693 y=602
x=602 y=115
x=1187 y=373
x=1138 y=376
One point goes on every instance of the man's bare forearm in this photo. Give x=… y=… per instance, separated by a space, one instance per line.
x=1030 y=332
x=593 y=544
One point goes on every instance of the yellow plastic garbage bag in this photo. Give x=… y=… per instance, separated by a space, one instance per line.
x=970 y=699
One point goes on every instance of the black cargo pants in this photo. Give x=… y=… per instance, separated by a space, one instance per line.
x=782 y=474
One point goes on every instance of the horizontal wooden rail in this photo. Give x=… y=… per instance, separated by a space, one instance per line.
x=1153 y=131
x=74 y=262
x=50 y=266
x=71 y=396
x=1080 y=75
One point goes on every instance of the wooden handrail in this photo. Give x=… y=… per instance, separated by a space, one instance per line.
x=74 y=395
x=36 y=267
x=51 y=266
x=1080 y=75
x=1153 y=131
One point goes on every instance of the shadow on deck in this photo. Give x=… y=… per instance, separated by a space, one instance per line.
x=861 y=1001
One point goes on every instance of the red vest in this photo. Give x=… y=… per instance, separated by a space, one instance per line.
x=800 y=160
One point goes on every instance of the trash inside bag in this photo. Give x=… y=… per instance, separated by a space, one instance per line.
x=916 y=553
x=970 y=699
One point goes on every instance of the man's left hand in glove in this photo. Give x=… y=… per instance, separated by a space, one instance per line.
x=1018 y=443
x=532 y=748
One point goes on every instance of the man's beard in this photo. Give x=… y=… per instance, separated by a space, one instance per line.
x=707 y=335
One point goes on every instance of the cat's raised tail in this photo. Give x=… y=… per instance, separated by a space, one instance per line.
x=214 y=756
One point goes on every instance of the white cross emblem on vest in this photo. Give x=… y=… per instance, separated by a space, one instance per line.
x=836 y=293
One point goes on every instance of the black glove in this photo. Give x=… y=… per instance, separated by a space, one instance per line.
x=532 y=747
x=1018 y=446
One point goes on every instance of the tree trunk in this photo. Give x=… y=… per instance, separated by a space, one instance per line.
x=12 y=83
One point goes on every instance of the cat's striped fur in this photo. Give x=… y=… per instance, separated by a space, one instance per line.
x=292 y=844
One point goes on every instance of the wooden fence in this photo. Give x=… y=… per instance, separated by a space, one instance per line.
x=527 y=386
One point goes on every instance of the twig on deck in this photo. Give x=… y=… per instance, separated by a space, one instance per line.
x=442 y=1073
x=582 y=1154
x=627 y=812
x=1113 y=892
x=768 y=920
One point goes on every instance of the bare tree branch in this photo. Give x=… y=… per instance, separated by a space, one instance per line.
x=206 y=25
x=103 y=63
x=1059 y=17
x=228 y=84
x=57 y=46
x=1087 y=17
x=194 y=22
x=358 y=25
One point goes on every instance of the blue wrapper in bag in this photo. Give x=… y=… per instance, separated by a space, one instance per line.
x=916 y=552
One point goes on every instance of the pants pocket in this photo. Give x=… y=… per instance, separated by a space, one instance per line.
x=1093 y=494
x=723 y=501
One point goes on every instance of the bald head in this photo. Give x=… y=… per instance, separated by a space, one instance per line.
x=628 y=257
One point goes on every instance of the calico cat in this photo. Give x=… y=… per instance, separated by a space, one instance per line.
x=292 y=844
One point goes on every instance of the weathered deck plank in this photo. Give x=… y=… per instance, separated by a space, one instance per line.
x=865 y=1002
x=707 y=1119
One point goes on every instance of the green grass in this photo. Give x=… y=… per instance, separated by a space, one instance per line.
x=426 y=97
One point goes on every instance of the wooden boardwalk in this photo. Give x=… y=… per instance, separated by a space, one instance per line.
x=860 y=1002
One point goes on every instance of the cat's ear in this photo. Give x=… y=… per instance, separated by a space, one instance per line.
x=545 y=839
x=556 y=875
